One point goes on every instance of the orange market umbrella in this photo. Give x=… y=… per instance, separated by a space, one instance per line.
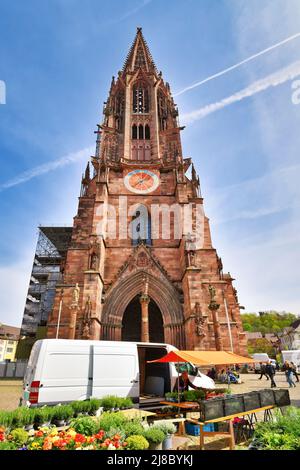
x=205 y=358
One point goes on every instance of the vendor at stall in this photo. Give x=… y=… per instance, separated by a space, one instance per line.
x=183 y=383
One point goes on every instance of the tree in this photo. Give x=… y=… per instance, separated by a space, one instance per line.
x=267 y=322
x=261 y=345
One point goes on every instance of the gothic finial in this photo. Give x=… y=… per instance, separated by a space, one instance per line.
x=87 y=172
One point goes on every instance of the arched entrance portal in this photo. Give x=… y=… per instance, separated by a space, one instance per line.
x=131 y=322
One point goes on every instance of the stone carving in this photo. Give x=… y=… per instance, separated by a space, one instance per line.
x=87 y=319
x=142 y=260
x=190 y=248
x=199 y=321
x=94 y=262
x=75 y=296
x=213 y=305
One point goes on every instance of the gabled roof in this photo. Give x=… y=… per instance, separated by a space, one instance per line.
x=139 y=55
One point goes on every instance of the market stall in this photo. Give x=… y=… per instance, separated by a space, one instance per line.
x=226 y=408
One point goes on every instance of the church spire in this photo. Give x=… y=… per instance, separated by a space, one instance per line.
x=139 y=56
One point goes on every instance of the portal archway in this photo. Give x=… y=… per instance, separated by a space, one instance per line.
x=131 y=322
x=160 y=290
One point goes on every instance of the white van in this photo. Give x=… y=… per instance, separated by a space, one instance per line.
x=62 y=370
x=293 y=355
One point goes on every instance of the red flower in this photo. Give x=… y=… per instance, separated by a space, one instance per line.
x=117 y=437
x=1 y=437
x=100 y=435
x=79 y=438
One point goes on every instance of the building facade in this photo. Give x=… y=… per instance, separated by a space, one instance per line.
x=141 y=264
x=9 y=337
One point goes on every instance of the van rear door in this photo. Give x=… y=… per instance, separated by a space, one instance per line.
x=116 y=371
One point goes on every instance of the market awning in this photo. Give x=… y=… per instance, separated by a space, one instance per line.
x=205 y=358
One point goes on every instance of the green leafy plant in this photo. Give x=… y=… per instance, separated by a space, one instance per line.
x=281 y=434
x=22 y=416
x=77 y=407
x=172 y=396
x=95 y=404
x=167 y=428
x=58 y=413
x=190 y=395
x=133 y=428
x=154 y=435
x=42 y=415
x=110 y=420
x=137 y=443
x=8 y=445
x=6 y=418
x=85 y=425
x=19 y=436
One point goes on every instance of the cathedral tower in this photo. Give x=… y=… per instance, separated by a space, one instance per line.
x=141 y=265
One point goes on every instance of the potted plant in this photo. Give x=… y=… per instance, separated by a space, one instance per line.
x=42 y=417
x=168 y=429
x=95 y=407
x=155 y=437
x=67 y=413
x=77 y=408
x=6 y=418
x=58 y=416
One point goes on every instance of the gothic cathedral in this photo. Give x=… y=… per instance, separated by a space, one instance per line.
x=133 y=270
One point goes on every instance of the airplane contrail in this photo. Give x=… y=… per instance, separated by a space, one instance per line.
x=277 y=78
x=46 y=167
x=222 y=72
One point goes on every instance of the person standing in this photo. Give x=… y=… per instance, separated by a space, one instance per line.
x=288 y=369
x=270 y=371
x=263 y=371
x=294 y=367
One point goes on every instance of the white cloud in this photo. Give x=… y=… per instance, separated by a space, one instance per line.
x=272 y=80
x=47 y=167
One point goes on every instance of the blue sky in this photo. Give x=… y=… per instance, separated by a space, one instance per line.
x=57 y=58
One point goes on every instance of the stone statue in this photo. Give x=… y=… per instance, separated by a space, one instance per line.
x=212 y=292
x=86 y=331
x=199 y=320
x=94 y=262
x=76 y=293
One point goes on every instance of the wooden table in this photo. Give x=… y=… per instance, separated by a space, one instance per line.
x=229 y=418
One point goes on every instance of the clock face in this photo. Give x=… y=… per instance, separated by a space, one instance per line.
x=141 y=181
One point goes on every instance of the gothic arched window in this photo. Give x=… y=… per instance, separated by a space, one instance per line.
x=147 y=132
x=141 y=132
x=134 y=132
x=140 y=101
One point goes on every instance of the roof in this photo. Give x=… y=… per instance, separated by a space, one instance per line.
x=9 y=332
x=139 y=55
x=253 y=334
x=205 y=358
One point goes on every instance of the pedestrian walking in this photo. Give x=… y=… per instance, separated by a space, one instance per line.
x=270 y=371
x=294 y=367
x=263 y=371
x=288 y=369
